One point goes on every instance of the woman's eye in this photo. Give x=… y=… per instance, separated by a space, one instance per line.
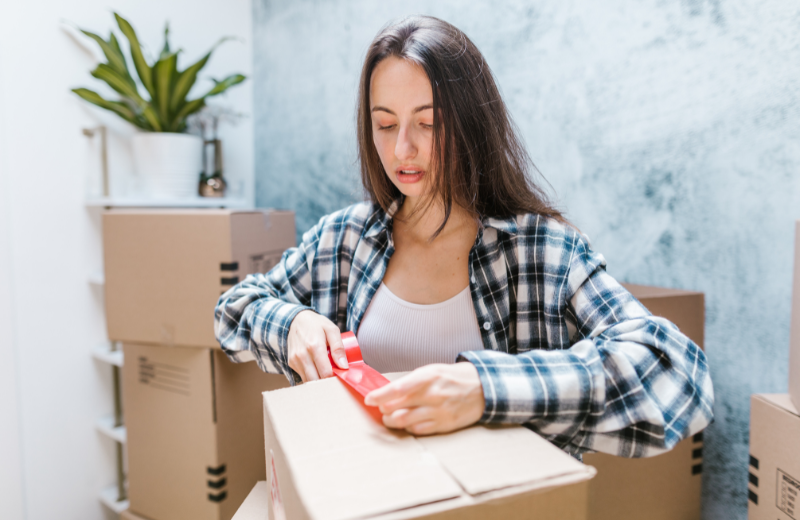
x=387 y=127
x=426 y=126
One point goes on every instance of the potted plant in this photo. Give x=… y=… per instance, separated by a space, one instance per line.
x=167 y=159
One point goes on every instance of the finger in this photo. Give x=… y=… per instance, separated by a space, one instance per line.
x=403 y=387
x=309 y=369
x=334 y=337
x=319 y=352
x=423 y=428
x=407 y=417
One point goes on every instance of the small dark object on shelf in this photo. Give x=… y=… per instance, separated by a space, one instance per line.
x=212 y=185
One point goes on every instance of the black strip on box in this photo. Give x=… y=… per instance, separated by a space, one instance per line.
x=218 y=484
x=233 y=280
x=216 y=471
x=229 y=266
x=753 y=479
x=752 y=496
x=754 y=462
x=218 y=498
x=697 y=469
x=697 y=453
x=698 y=437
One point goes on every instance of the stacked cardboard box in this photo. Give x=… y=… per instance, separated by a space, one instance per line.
x=774 y=466
x=667 y=486
x=193 y=418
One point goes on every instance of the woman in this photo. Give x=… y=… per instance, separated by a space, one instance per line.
x=458 y=256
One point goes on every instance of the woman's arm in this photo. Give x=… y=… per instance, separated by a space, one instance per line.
x=633 y=385
x=255 y=316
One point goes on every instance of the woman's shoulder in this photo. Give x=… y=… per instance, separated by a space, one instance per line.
x=353 y=219
x=535 y=226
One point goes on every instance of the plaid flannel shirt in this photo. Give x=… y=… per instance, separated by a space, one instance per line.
x=569 y=353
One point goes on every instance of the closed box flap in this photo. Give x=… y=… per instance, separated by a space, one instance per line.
x=488 y=458
x=345 y=464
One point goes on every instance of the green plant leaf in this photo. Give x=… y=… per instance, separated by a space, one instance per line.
x=188 y=109
x=112 y=40
x=118 y=82
x=165 y=51
x=188 y=77
x=142 y=68
x=225 y=84
x=121 y=109
x=165 y=72
x=113 y=54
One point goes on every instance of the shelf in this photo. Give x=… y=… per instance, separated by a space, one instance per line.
x=189 y=202
x=97 y=278
x=108 y=497
x=105 y=425
x=104 y=353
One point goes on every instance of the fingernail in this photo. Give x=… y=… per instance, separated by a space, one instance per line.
x=368 y=400
x=342 y=360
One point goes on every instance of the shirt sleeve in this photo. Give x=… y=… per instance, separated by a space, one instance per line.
x=630 y=385
x=252 y=319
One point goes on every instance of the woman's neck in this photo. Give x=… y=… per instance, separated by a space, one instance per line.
x=422 y=222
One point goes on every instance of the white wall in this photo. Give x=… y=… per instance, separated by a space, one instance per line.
x=10 y=454
x=51 y=391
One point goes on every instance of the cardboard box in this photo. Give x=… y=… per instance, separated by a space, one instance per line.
x=195 y=436
x=165 y=269
x=329 y=458
x=130 y=515
x=794 y=337
x=774 y=470
x=668 y=486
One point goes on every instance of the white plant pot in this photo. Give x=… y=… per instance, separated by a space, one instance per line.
x=168 y=164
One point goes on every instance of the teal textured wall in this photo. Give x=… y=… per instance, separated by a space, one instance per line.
x=668 y=130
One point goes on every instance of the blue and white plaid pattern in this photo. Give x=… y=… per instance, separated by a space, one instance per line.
x=568 y=352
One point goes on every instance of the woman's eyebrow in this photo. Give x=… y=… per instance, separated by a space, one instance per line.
x=418 y=109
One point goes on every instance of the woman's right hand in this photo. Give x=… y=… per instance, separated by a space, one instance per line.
x=309 y=337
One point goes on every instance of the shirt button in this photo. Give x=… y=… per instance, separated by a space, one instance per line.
x=486 y=325
x=472 y=280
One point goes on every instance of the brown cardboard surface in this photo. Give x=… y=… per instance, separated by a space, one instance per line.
x=130 y=515
x=336 y=461
x=794 y=336
x=774 y=469
x=165 y=269
x=194 y=431
x=666 y=487
x=567 y=502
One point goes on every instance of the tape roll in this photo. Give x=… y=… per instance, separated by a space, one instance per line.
x=359 y=376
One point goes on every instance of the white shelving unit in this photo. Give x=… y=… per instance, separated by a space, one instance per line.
x=107 y=426
x=109 y=498
x=190 y=202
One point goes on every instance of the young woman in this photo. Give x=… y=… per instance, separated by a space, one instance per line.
x=460 y=270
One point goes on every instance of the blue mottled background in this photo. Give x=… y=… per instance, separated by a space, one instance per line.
x=668 y=130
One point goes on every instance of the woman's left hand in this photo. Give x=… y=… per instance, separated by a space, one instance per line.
x=431 y=399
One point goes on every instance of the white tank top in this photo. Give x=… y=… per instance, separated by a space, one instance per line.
x=397 y=336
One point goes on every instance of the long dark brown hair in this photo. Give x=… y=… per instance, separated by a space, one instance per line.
x=479 y=161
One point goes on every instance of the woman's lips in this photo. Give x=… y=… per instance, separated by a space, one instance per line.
x=409 y=175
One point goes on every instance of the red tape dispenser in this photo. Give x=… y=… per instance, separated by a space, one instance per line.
x=360 y=376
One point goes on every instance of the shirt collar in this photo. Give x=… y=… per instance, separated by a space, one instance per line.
x=383 y=221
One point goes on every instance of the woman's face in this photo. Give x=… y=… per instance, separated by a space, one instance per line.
x=401 y=104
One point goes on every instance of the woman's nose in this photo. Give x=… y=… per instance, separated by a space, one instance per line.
x=405 y=148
